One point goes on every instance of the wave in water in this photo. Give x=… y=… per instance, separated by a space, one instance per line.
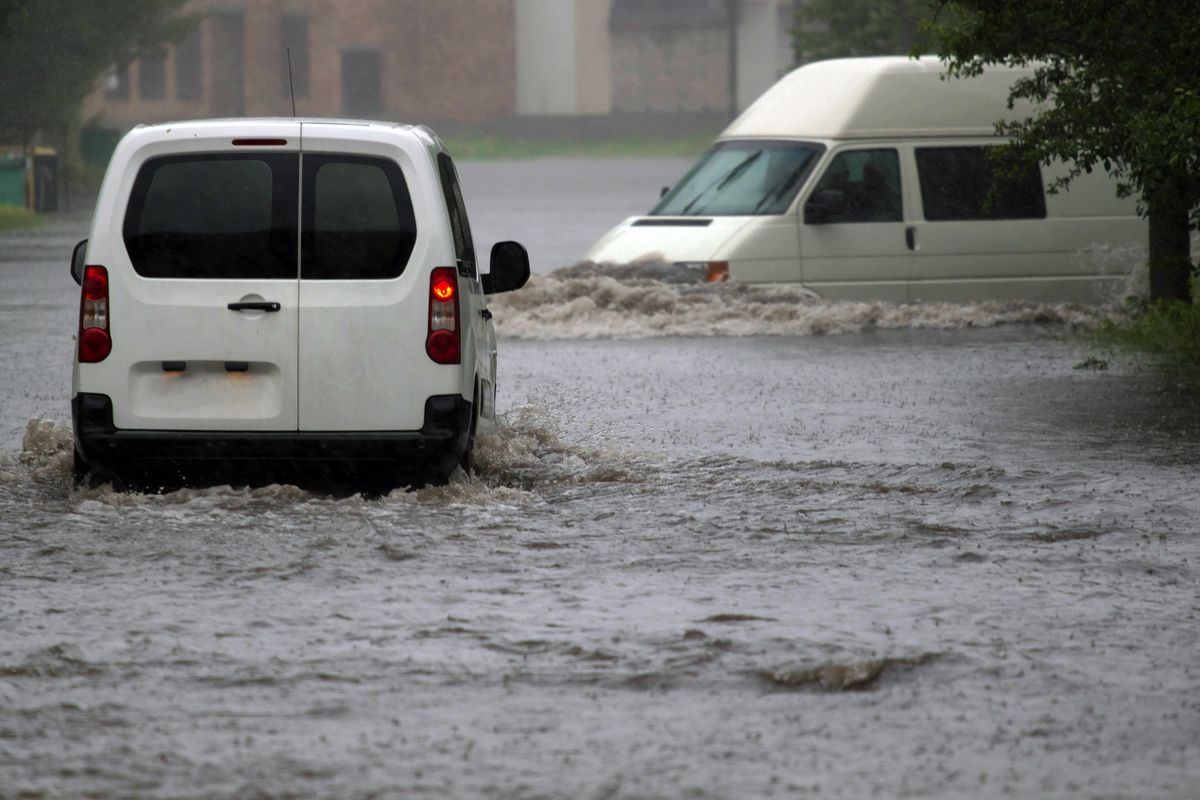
x=514 y=458
x=602 y=301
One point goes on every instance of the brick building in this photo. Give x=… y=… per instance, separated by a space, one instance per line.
x=456 y=61
x=395 y=59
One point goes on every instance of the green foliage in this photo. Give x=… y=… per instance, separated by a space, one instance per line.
x=1169 y=333
x=1115 y=87
x=52 y=51
x=842 y=28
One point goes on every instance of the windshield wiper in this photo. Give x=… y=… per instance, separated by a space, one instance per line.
x=724 y=181
x=788 y=182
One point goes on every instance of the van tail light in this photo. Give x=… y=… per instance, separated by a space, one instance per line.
x=717 y=272
x=444 y=342
x=95 y=343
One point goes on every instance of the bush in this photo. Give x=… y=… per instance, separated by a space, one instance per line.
x=1169 y=333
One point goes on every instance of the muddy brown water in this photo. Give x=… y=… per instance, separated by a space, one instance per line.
x=715 y=548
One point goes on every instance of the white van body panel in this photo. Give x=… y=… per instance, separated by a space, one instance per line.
x=362 y=362
x=202 y=331
x=1082 y=250
x=766 y=249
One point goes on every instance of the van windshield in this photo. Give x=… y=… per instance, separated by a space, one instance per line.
x=742 y=178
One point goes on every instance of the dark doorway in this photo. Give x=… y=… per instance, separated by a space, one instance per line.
x=361 y=91
x=229 y=64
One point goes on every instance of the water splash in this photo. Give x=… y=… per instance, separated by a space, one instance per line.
x=592 y=301
x=514 y=458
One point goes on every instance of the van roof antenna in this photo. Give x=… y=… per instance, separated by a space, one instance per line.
x=291 y=84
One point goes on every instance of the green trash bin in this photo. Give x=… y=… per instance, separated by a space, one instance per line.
x=12 y=179
x=45 y=180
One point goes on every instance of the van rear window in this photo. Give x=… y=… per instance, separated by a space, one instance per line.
x=358 y=219
x=216 y=216
x=965 y=183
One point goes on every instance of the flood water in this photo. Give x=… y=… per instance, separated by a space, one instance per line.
x=724 y=543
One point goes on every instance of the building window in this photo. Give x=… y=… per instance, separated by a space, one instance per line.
x=152 y=75
x=116 y=83
x=293 y=29
x=361 y=92
x=189 y=68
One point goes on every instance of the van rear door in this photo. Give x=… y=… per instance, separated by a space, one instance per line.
x=204 y=291
x=363 y=309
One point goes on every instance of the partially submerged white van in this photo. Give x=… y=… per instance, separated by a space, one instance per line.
x=869 y=179
x=280 y=298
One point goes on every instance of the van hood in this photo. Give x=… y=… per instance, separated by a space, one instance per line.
x=670 y=239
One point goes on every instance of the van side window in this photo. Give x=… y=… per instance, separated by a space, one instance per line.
x=869 y=182
x=464 y=247
x=357 y=219
x=964 y=183
x=216 y=216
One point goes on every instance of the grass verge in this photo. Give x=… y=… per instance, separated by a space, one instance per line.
x=15 y=219
x=1167 y=333
x=478 y=148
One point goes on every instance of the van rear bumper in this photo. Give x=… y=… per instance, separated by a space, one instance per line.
x=164 y=458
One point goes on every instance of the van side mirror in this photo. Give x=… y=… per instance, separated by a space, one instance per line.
x=509 y=268
x=78 y=256
x=824 y=206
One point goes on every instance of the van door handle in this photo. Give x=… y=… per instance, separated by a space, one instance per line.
x=910 y=238
x=256 y=306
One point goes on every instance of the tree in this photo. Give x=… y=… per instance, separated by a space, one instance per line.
x=840 y=28
x=1115 y=87
x=52 y=51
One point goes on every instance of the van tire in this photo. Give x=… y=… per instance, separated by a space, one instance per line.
x=81 y=474
x=467 y=459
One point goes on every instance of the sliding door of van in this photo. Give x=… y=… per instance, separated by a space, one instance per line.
x=204 y=292
x=991 y=233
x=981 y=235
x=853 y=240
x=363 y=311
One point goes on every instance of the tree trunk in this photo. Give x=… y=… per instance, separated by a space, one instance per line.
x=1170 y=244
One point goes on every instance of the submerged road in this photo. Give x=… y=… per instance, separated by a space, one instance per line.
x=710 y=552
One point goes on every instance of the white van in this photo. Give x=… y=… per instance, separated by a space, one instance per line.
x=287 y=299
x=868 y=179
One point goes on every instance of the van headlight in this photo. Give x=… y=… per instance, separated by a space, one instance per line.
x=713 y=271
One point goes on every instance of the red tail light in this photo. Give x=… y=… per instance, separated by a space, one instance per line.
x=95 y=343
x=444 y=342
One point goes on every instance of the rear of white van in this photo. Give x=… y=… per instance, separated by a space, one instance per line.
x=277 y=293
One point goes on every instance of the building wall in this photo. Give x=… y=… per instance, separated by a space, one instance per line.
x=450 y=60
x=673 y=55
x=563 y=63
x=546 y=66
x=593 y=48
x=670 y=70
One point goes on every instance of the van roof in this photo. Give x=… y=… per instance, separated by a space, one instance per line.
x=184 y=123
x=881 y=97
x=244 y=124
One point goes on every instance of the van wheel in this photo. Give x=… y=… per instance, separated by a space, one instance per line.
x=467 y=459
x=81 y=474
